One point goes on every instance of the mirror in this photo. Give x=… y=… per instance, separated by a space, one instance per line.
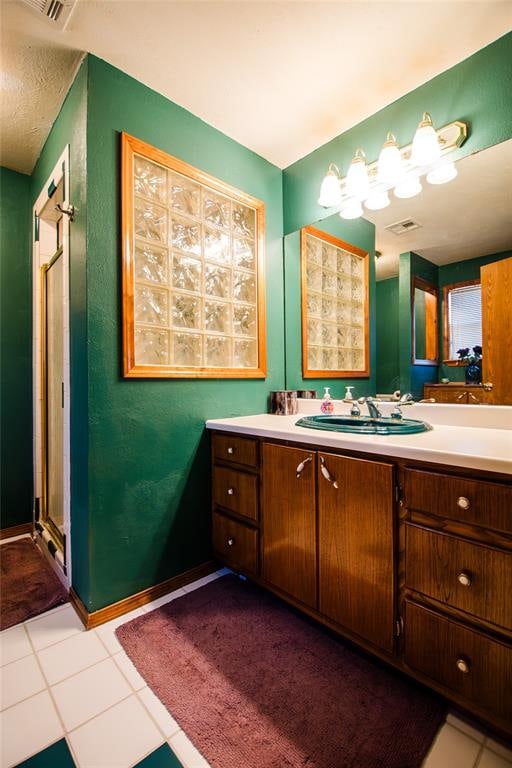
x=424 y=322
x=448 y=234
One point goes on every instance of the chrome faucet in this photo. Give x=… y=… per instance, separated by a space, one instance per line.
x=372 y=407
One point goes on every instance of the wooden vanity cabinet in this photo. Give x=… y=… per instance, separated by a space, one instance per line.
x=456 y=596
x=289 y=521
x=425 y=584
x=235 y=497
x=355 y=546
x=457 y=393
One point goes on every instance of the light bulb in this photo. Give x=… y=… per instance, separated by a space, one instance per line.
x=357 y=183
x=330 y=192
x=410 y=187
x=443 y=174
x=351 y=209
x=376 y=200
x=425 y=145
x=390 y=167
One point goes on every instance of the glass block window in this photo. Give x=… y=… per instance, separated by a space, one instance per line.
x=334 y=307
x=193 y=293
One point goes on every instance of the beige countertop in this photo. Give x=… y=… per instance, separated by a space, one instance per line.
x=475 y=447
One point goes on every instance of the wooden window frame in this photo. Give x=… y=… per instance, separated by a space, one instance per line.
x=427 y=287
x=446 y=325
x=308 y=373
x=129 y=147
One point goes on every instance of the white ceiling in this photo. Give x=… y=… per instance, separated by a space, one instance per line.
x=469 y=217
x=282 y=78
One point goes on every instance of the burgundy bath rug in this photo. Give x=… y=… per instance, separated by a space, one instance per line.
x=255 y=685
x=28 y=585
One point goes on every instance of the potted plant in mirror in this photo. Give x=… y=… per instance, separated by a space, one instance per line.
x=473 y=362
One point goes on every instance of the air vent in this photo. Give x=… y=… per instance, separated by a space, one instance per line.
x=401 y=227
x=56 y=11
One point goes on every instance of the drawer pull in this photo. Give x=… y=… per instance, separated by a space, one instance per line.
x=231 y=449
x=325 y=472
x=463 y=666
x=231 y=491
x=231 y=542
x=302 y=465
x=463 y=502
x=464 y=578
x=462 y=394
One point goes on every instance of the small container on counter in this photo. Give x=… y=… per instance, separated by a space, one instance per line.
x=307 y=394
x=283 y=402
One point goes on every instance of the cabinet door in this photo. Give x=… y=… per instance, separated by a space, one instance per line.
x=449 y=394
x=355 y=536
x=289 y=521
x=497 y=329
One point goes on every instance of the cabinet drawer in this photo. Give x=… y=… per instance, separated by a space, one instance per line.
x=466 y=662
x=235 y=543
x=471 y=577
x=239 y=450
x=458 y=498
x=236 y=491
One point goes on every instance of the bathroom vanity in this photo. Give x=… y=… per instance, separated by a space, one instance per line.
x=394 y=543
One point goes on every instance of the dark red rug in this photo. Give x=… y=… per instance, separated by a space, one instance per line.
x=255 y=685
x=28 y=585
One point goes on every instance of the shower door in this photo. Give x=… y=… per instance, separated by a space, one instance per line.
x=53 y=396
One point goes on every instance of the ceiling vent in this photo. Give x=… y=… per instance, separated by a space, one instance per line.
x=401 y=227
x=57 y=12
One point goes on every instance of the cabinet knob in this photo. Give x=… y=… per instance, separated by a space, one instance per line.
x=464 y=578
x=463 y=665
x=231 y=449
x=463 y=502
x=231 y=542
x=231 y=491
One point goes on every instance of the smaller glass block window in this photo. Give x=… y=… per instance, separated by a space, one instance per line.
x=334 y=307
x=192 y=271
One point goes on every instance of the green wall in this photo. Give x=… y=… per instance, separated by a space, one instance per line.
x=16 y=349
x=70 y=128
x=360 y=233
x=455 y=273
x=477 y=90
x=148 y=456
x=387 y=354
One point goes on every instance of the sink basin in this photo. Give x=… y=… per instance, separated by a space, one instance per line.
x=364 y=425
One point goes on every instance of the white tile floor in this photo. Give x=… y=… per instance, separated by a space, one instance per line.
x=59 y=681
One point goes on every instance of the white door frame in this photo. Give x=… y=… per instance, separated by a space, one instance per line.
x=44 y=245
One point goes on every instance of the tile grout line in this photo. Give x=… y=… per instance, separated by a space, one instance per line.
x=52 y=699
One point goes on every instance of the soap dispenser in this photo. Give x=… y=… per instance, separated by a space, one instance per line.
x=327 y=406
x=349 y=397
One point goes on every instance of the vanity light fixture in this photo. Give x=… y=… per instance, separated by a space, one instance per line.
x=351 y=209
x=357 y=182
x=330 y=191
x=377 y=200
x=398 y=169
x=425 y=145
x=390 y=165
x=442 y=174
x=409 y=187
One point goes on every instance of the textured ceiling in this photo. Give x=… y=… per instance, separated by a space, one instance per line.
x=469 y=217
x=34 y=79
x=282 y=78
